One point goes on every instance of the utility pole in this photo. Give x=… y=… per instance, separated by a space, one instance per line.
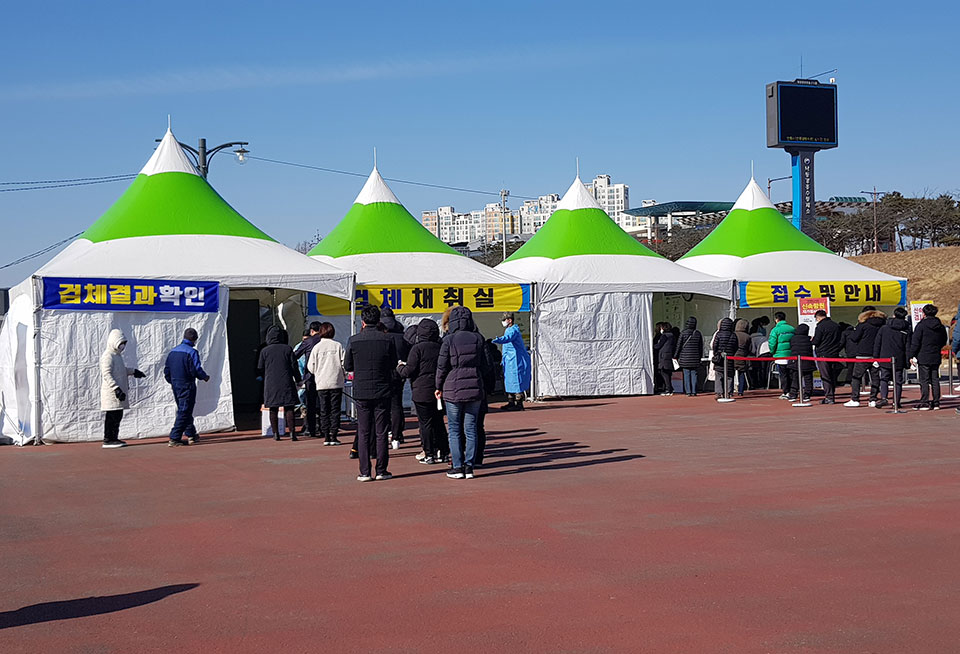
x=504 y=194
x=876 y=233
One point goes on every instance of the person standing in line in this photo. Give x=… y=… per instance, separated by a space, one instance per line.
x=515 y=362
x=304 y=351
x=744 y=349
x=802 y=372
x=461 y=366
x=114 y=388
x=892 y=342
x=760 y=347
x=421 y=369
x=688 y=352
x=724 y=342
x=182 y=370
x=397 y=418
x=278 y=367
x=371 y=356
x=326 y=368
x=779 y=341
x=929 y=337
x=827 y=339
x=663 y=351
x=861 y=340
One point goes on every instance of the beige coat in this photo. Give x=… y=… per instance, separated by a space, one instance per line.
x=326 y=364
x=114 y=374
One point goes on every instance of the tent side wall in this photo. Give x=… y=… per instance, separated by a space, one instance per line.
x=16 y=367
x=594 y=344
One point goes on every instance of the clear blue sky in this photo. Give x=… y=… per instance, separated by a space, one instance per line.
x=667 y=98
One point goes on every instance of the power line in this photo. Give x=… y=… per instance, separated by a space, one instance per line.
x=47 y=186
x=62 y=181
x=39 y=253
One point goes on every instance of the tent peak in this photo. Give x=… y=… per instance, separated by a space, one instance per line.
x=169 y=157
x=376 y=190
x=752 y=198
x=577 y=197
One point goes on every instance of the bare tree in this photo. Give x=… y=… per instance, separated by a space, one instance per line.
x=304 y=247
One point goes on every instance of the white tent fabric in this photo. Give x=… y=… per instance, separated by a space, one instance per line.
x=385 y=268
x=787 y=265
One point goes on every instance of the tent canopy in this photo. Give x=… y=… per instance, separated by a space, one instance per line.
x=775 y=263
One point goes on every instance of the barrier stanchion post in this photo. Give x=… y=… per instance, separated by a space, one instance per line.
x=951 y=391
x=800 y=384
x=726 y=397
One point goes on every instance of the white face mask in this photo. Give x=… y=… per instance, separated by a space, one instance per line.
x=121 y=346
x=504 y=323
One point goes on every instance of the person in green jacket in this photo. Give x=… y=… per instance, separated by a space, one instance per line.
x=779 y=342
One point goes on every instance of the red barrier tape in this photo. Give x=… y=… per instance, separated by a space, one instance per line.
x=793 y=358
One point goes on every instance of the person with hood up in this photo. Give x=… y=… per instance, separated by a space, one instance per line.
x=800 y=346
x=395 y=331
x=861 y=341
x=326 y=367
x=779 y=341
x=892 y=342
x=182 y=370
x=304 y=350
x=688 y=352
x=114 y=388
x=515 y=363
x=421 y=369
x=461 y=367
x=663 y=357
x=278 y=367
x=828 y=339
x=929 y=337
x=744 y=349
x=725 y=342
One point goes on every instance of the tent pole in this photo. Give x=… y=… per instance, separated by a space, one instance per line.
x=37 y=404
x=534 y=390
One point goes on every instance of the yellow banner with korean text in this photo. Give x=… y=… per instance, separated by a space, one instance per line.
x=418 y=299
x=840 y=293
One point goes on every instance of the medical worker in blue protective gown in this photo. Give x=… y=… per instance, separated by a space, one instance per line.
x=516 y=364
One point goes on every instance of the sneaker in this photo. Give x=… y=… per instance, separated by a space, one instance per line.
x=421 y=456
x=326 y=442
x=827 y=400
x=354 y=454
x=851 y=403
x=384 y=476
x=879 y=404
x=364 y=478
x=455 y=473
x=112 y=445
x=193 y=439
x=784 y=396
x=395 y=444
x=335 y=441
x=176 y=443
x=872 y=404
x=935 y=407
x=468 y=472
x=921 y=407
x=428 y=461
x=791 y=398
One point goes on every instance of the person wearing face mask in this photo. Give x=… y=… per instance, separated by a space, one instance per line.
x=182 y=370
x=663 y=357
x=113 y=388
x=516 y=364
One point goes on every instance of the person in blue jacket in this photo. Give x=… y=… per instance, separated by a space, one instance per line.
x=516 y=364
x=182 y=370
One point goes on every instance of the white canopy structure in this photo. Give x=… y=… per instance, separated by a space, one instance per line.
x=164 y=257
x=594 y=298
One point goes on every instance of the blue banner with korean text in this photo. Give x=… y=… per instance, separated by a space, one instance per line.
x=155 y=295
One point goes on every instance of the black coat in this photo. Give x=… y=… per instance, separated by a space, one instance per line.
x=280 y=372
x=891 y=342
x=421 y=365
x=801 y=345
x=929 y=338
x=372 y=357
x=860 y=340
x=827 y=338
x=724 y=342
x=663 y=351
x=689 y=348
x=463 y=364
x=304 y=350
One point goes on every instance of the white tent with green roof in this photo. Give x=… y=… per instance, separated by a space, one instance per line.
x=593 y=302
x=167 y=255
x=775 y=264
x=398 y=262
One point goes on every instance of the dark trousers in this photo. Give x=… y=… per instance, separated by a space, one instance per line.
x=433 y=433
x=330 y=401
x=373 y=423
x=289 y=420
x=186 y=398
x=829 y=373
x=310 y=399
x=397 y=419
x=804 y=377
x=482 y=431
x=720 y=378
x=886 y=375
x=111 y=425
x=859 y=370
x=929 y=378
x=667 y=377
x=785 y=378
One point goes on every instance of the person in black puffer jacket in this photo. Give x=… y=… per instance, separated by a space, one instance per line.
x=688 y=352
x=929 y=339
x=278 y=368
x=462 y=366
x=663 y=357
x=421 y=369
x=891 y=343
x=396 y=332
x=859 y=344
x=800 y=345
x=724 y=342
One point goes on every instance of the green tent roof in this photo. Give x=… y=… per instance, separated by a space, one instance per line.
x=378 y=223
x=169 y=197
x=579 y=226
x=754 y=226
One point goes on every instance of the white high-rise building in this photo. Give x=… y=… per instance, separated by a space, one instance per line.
x=614 y=198
x=533 y=213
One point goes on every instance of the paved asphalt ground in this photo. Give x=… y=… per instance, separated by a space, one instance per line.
x=607 y=525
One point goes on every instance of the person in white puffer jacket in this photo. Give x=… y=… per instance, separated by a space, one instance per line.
x=326 y=366
x=114 y=387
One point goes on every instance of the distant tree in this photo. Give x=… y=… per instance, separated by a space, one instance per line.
x=678 y=241
x=492 y=254
x=304 y=247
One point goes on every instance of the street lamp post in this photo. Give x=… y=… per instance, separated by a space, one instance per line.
x=770 y=181
x=202 y=155
x=876 y=233
x=504 y=194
